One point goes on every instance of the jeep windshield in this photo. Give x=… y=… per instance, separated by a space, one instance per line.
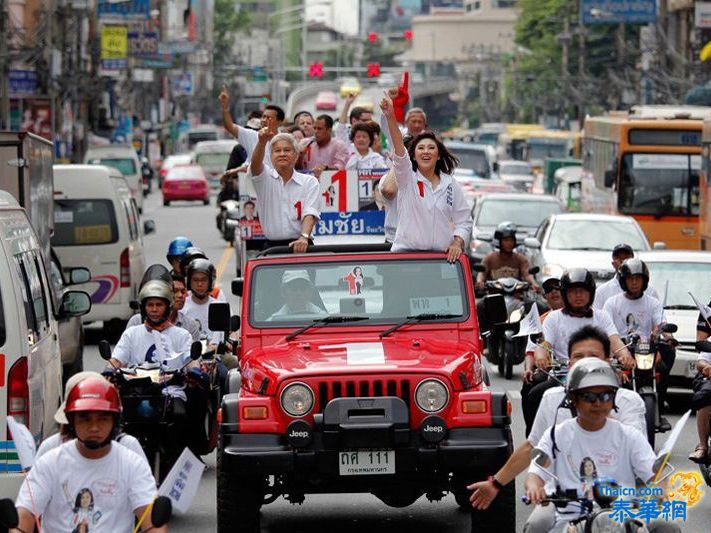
x=382 y=291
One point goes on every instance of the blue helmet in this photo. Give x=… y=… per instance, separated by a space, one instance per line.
x=177 y=247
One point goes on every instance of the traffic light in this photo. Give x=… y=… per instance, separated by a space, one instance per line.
x=316 y=70
x=373 y=70
x=407 y=34
x=372 y=37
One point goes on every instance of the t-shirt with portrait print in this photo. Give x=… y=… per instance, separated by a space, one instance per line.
x=74 y=494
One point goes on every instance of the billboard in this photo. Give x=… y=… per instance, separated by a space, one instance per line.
x=114 y=47
x=126 y=10
x=618 y=11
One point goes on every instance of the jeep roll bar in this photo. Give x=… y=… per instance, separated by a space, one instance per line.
x=330 y=248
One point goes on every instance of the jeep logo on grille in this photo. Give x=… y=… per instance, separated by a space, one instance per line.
x=299 y=434
x=433 y=429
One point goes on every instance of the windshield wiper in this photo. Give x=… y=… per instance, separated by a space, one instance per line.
x=591 y=249
x=683 y=307
x=418 y=318
x=333 y=319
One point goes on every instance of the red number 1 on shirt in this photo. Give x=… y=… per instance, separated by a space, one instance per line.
x=297 y=205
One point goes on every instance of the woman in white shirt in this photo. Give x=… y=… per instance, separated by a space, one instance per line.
x=432 y=211
x=364 y=158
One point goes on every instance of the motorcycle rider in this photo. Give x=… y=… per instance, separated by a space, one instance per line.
x=588 y=343
x=620 y=253
x=66 y=487
x=200 y=281
x=590 y=439
x=701 y=398
x=635 y=312
x=176 y=249
x=196 y=253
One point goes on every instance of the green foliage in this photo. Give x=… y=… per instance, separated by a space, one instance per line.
x=229 y=20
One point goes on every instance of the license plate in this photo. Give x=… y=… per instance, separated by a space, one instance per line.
x=184 y=186
x=366 y=462
x=691 y=371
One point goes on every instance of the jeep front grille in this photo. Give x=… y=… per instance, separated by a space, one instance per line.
x=359 y=388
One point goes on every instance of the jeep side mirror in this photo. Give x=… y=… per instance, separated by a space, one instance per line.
x=235 y=323
x=162 y=511
x=105 y=350
x=9 y=518
x=79 y=275
x=75 y=303
x=218 y=316
x=531 y=242
x=495 y=308
x=237 y=286
x=195 y=350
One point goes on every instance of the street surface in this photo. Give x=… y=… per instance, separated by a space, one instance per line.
x=345 y=513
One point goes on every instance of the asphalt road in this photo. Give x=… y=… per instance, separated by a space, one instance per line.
x=343 y=513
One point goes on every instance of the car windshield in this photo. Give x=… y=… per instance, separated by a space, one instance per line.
x=384 y=291
x=677 y=280
x=515 y=169
x=489 y=138
x=474 y=160
x=213 y=159
x=199 y=136
x=521 y=212
x=590 y=234
x=544 y=149
x=660 y=184
x=127 y=167
x=84 y=223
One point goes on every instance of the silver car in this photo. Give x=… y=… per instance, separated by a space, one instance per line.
x=675 y=274
x=584 y=240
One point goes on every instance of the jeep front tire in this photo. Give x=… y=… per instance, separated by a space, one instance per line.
x=239 y=498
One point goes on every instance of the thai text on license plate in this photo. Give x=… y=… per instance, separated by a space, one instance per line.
x=366 y=462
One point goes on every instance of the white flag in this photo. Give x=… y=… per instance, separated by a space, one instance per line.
x=704 y=309
x=674 y=435
x=531 y=323
x=24 y=442
x=182 y=482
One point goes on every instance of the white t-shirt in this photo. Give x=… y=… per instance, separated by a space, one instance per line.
x=200 y=313
x=368 y=161
x=612 y=288
x=182 y=321
x=428 y=219
x=69 y=490
x=630 y=412
x=139 y=345
x=635 y=316
x=285 y=311
x=124 y=439
x=249 y=139
x=616 y=452
x=559 y=326
x=282 y=206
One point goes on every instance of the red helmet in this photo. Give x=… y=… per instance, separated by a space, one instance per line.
x=93 y=394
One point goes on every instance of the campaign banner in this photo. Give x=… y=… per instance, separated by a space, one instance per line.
x=351 y=223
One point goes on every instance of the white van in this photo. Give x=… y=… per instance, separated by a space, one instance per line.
x=97 y=226
x=213 y=157
x=30 y=364
x=124 y=158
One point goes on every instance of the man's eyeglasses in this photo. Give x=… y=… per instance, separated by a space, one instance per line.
x=592 y=397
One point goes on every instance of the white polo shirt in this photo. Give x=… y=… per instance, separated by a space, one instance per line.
x=428 y=219
x=558 y=328
x=368 y=161
x=612 y=288
x=249 y=139
x=638 y=316
x=282 y=206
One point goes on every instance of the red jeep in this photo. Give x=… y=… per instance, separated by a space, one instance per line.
x=361 y=371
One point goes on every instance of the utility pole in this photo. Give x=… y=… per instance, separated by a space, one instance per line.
x=4 y=68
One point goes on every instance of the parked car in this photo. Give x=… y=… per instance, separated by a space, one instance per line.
x=173 y=161
x=475 y=160
x=527 y=211
x=349 y=86
x=213 y=157
x=517 y=173
x=326 y=101
x=204 y=132
x=186 y=183
x=124 y=158
x=675 y=273
x=584 y=240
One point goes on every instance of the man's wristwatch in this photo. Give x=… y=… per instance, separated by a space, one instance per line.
x=305 y=236
x=497 y=484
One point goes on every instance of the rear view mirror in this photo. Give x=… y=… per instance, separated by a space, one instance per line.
x=149 y=226
x=478 y=267
x=609 y=178
x=235 y=323
x=218 y=317
x=79 y=275
x=534 y=270
x=162 y=511
x=495 y=308
x=531 y=242
x=237 y=286
x=135 y=305
x=105 y=350
x=75 y=303
x=9 y=518
x=195 y=350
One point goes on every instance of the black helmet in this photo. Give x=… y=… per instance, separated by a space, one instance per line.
x=204 y=266
x=577 y=277
x=505 y=229
x=633 y=267
x=191 y=253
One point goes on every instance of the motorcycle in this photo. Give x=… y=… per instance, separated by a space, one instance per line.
x=644 y=377
x=154 y=408
x=146 y=176
x=228 y=219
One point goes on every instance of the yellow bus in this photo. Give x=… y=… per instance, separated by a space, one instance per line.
x=511 y=143
x=551 y=144
x=646 y=164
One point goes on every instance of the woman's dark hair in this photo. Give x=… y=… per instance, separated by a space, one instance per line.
x=363 y=127
x=582 y=467
x=590 y=333
x=77 y=501
x=446 y=161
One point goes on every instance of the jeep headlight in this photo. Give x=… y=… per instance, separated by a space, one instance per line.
x=431 y=395
x=297 y=399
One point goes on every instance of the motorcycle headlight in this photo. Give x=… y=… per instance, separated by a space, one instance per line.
x=431 y=395
x=297 y=399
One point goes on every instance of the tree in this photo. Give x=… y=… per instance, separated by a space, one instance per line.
x=229 y=20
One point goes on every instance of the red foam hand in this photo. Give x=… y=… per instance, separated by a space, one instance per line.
x=402 y=98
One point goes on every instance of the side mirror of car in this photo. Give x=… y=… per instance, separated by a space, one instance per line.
x=532 y=242
x=235 y=323
x=149 y=226
x=75 y=303
x=534 y=270
x=79 y=275
x=609 y=178
x=9 y=519
x=218 y=316
x=105 y=350
x=162 y=511
x=195 y=350
x=495 y=166
x=495 y=308
x=659 y=245
x=135 y=305
x=237 y=286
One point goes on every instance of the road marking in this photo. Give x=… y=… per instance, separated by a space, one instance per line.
x=220 y=269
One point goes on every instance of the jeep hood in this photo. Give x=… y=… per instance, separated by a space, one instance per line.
x=305 y=357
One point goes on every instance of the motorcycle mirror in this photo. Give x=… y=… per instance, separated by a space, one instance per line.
x=218 y=316
x=605 y=492
x=8 y=514
x=235 y=323
x=105 y=350
x=534 y=270
x=539 y=457
x=162 y=511
x=703 y=346
x=195 y=350
x=478 y=267
x=135 y=305
x=670 y=328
